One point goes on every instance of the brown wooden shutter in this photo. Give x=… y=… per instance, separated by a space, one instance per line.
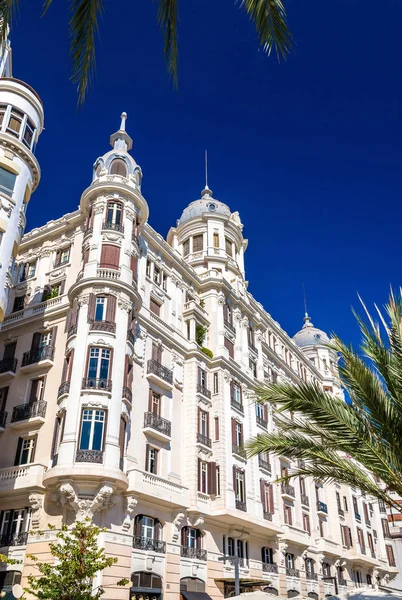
x=234 y=432
x=198 y=540
x=138 y=526
x=35 y=443
x=70 y=365
x=130 y=376
x=216 y=428
x=34 y=390
x=212 y=478
x=263 y=495
x=85 y=256
x=265 y=412
x=198 y=420
x=207 y=424
x=126 y=363
x=18 y=452
x=55 y=436
x=150 y=400
x=9 y=350
x=365 y=510
x=245 y=491
x=62 y=287
x=350 y=537
x=54 y=336
x=183 y=535
x=158 y=531
x=241 y=394
x=147 y=457
x=91 y=307
x=122 y=437
x=110 y=256
x=199 y=475
x=36 y=340
x=111 y=309
x=234 y=478
x=271 y=499
x=133 y=266
x=65 y=369
x=232 y=389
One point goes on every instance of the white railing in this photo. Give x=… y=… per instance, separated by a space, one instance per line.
x=105 y=273
x=35 y=309
x=13 y=472
x=162 y=483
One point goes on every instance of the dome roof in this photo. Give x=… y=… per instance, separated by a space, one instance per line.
x=310 y=335
x=206 y=204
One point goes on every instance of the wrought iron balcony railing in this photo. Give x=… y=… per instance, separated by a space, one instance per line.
x=292 y=572
x=159 y=370
x=108 y=326
x=287 y=489
x=108 y=225
x=127 y=394
x=264 y=464
x=237 y=405
x=239 y=450
x=262 y=422
x=3 y=418
x=158 y=423
x=269 y=568
x=194 y=553
x=144 y=543
x=89 y=456
x=267 y=515
x=64 y=388
x=203 y=439
x=13 y=539
x=342 y=581
x=130 y=336
x=229 y=325
x=321 y=506
x=240 y=505
x=304 y=500
x=312 y=576
x=203 y=390
x=38 y=354
x=97 y=384
x=28 y=411
x=8 y=364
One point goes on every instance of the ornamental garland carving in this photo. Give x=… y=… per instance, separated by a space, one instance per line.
x=99 y=209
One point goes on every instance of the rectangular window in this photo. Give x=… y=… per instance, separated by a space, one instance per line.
x=338 y=501
x=147 y=527
x=230 y=347
x=27 y=450
x=231 y=547
x=37 y=390
x=390 y=555
x=19 y=303
x=7 y=181
x=154 y=307
x=345 y=504
x=152 y=460
x=203 y=477
x=92 y=429
x=28 y=134
x=218 y=480
x=326 y=569
x=238 y=434
x=164 y=281
x=306 y=523
x=203 y=423
x=99 y=362
x=360 y=539
x=114 y=213
x=62 y=257
x=355 y=507
x=9 y=350
x=157 y=275
x=148 y=269
x=287 y=511
x=186 y=247
x=100 y=308
x=216 y=240
x=321 y=527
x=3 y=398
x=239 y=486
x=385 y=528
x=198 y=242
x=229 y=247
x=216 y=428
x=267 y=556
x=154 y=403
x=157 y=352
x=290 y=561
x=370 y=542
x=253 y=367
x=216 y=383
x=14 y=124
x=202 y=378
x=236 y=392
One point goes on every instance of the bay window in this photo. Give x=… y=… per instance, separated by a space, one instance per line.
x=92 y=429
x=114 y=212
x=99 y=363
x=7 y=181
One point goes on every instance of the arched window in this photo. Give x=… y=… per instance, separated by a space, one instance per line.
x=313 y=595
x=98 y=169
x=191 y=543
x=148 y=534
x=142 y=579
x=293 y=593
x=271 y=590
x=192 y=584
x=114 y=214
x=118 y=167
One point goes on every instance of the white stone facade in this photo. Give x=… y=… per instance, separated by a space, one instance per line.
x=130 y=397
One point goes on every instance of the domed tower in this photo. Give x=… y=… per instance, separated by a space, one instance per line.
x=314 y=343
x=21 y=123
x=95 y=396
x=209 y=237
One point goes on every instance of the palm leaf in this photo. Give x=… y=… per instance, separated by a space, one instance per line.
x=168 y=20
x=269 y=17
x=8 y=8
x=84 y=26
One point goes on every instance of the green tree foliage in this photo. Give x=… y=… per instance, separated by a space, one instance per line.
x=200 y=333
x=346 y=441
x=268 y=16
x=78 y=560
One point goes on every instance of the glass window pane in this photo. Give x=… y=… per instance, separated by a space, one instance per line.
x=93 y=364
x=7 y=180
x=98 y=434
x=104 y=369
x=85 y=433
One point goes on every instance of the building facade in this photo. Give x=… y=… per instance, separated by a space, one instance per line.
x=127 y=370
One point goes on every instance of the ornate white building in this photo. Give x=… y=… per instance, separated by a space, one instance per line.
x=127 y=370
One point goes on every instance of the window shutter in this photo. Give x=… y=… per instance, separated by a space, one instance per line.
x=138 y=526
x=109 y=375
x=150 y=400
x=216 y=429
x=18 y=452
x=212 y=478
x=133 y=266
x=207 y=424
x=246 y=549
x=111 y=309
x=130 y=375
x=156 y=461
x=147 y=457
x=184 y=539
x=126 y=365
x=34 y=391
x=350 y=537
x=70 y=365
x=234 y=479
x=55 y=436
x=308 y=524
x=62 y=286
x=85 y=256
x=54 y=335
x=234 y=432
x=263 y=494
x=91 y=307
x=271 y=498
x=36 y=340
x=365 y=510
x=232 y=390
x=122 y=437
x=265 y=412
x=199 y=475
x=244 y=486
x=241 y=394
x=110 y=256
x=9 y=350
x=104 y=431
x=158 y=531
x=35 y=442
x=198 y=540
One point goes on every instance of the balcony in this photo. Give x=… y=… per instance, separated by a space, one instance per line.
x=89 y=456
x=203 y=439
x=160 y=374
x=229 y=326
x=201 y=389
x=267 y=516
x=8 y=367
x=108 y=272
x=38 y=358
x=143 y=543
x=197 y=553
x=64 y=389
x=381 y=507
x=252 y=349
x=156 y=425
x=109 y=226
x=264 y=464
x=322 y=508
x=167 y=493
x=237 y=405
x=127 y=394
x=32 y=414
x=13 y=539
x=288 y=491
x=341 y=512
x=304 y=500
x=130 y=336
x=311 y=576
x=101 y=385
x=269 y=568
x=240 y=505
x=239 y=451
x=292 y=572
x=21 y=477
x=107 y=326
x=261 y=422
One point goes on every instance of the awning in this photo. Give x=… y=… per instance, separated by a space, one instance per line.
x=196 y=596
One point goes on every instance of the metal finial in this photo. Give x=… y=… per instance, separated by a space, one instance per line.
x=206 y=168
x=123 y=121
x=306 y=315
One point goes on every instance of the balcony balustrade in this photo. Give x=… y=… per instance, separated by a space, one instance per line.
x=243 y=562
x=261 y=422
x=13 y=539
x=304 y=499
x=198 y=553
x=108 y=272
x=240 y=505
x=264 y=464
x=239 y=450
x=237 y=405
x=38 y=354
x=203 y=439
x=144 y=543
x=107 y=326
x=89 y=456
x=109 y=226
x=8 y=365
x=201 y=389
x=269 y=568
x=287 y=490
x=160 y=371
x=157 y=423
x=292 y=572
x=64 y=388
x=311 y=576
x=29 y=411
x=322 y=507
x=97 y=384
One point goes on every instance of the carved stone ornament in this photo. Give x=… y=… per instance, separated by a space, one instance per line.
x=177 y=521
x=84 y=507
x=221 y=299
x=283 y=548
x=130 y=214
x=304 y=554
x=83 y=299
x=239 y=534
x=197 y=521
x=99 y=209
x=36 y=502
x=227 y=376
x=130 y=511
x=124 y=305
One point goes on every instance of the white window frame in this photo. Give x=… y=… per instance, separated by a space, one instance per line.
x=28 y=445
x=93 y=416
x=152 y=460
x=240 y=496
x=147 y=527
x=239 y=434
x=101 y=300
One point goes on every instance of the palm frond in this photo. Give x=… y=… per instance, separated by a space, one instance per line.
x=84 y=25
x=46 y=5
x=168 y=20
x=8 y=9
x=269 y=17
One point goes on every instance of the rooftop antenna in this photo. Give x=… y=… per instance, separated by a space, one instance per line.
x=206 y=191
x=306 y=317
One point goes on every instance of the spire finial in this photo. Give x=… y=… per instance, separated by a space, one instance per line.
x=206 y=192
x=306 y=315
x=123 y=121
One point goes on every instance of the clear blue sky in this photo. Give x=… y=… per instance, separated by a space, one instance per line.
x=308 y=151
